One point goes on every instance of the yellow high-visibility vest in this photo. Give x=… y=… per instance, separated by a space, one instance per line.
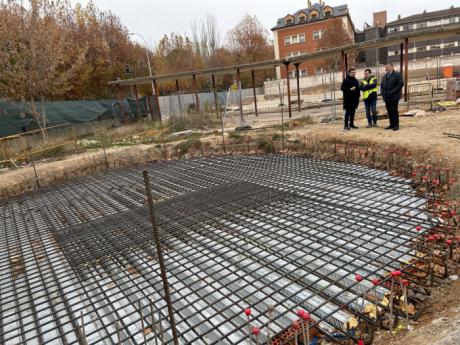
x=367 y=93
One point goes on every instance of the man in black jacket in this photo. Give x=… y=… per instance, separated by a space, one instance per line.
x=351 y=93
x=390 y=88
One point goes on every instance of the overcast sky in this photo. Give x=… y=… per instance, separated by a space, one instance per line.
x=154 y=18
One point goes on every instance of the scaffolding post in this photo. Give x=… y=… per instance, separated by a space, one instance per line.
x=288 y=89
x=406 y=67
x=298 y=84
x=254 y=91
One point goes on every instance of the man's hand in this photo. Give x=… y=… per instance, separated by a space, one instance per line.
x=353 y=88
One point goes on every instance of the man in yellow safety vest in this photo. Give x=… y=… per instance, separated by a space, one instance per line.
x=370 y=89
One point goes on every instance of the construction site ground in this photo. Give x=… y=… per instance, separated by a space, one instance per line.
x=440 y=323
x=423 y=135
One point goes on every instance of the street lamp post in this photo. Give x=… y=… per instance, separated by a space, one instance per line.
x=150 y=68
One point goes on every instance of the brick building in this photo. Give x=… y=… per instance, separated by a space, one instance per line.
x=299 y=33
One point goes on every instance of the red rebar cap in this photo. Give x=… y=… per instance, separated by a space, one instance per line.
x=306 y=316
x=376 y=282
x=431 y=238
x=396 y=274
x=453 y=213
x=405 y=282
x=418 y=228
x=256 y=331
x=247 y=311
x=359 y=278
x=300 y=313
x=295 y=324
x=449 y=242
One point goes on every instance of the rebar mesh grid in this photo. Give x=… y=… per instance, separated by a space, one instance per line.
x=237 y=231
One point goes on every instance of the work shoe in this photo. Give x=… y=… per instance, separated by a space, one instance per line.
x=396 y=128
x=354 y=127
x=369 y=125
x=346 y=128
x=389 y=127
x=375 y=125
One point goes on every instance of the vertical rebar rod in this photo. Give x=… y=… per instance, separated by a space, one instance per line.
x=152 y=312
x=178 y=97
x=83 y=333
x=33 y=162
x=195 y=90
x=282 y=111
x=157 y=239
x=217 y=111
x=142 y=322
x=160 y=325
x=157 y=97
x=240 y=100
x=117 y=329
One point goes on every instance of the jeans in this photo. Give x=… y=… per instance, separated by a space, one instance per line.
x=350 y=117
x=371 y=111
x=393 y=113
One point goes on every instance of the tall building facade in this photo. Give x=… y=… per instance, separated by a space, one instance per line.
x=300 y=33
x=446 y=46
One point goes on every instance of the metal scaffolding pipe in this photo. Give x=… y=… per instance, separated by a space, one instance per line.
x=288 y=90
x=254 y=91
x=406 y=67
x=298 y=85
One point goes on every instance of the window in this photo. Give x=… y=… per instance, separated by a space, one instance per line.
x=396 y=52
x=314 y=15
x=393 y=30
x=435 y=46
x=318 y=70
x=316 y=35
x=408 y=27
x=302 y=18
x=452 y=20
x=328 y=14
x=449 y=45
x=421 y=25
x=294 y=39
x=421 y=49
x=303 y=72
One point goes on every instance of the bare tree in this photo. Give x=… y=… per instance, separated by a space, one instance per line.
x=335 y=35
x=205 y=36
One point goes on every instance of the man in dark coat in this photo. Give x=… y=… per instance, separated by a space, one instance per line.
x=390 y=88
x=351 y=93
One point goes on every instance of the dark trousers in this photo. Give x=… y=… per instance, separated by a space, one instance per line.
x=393 y=113
x=350 y=117
x=371 y=111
